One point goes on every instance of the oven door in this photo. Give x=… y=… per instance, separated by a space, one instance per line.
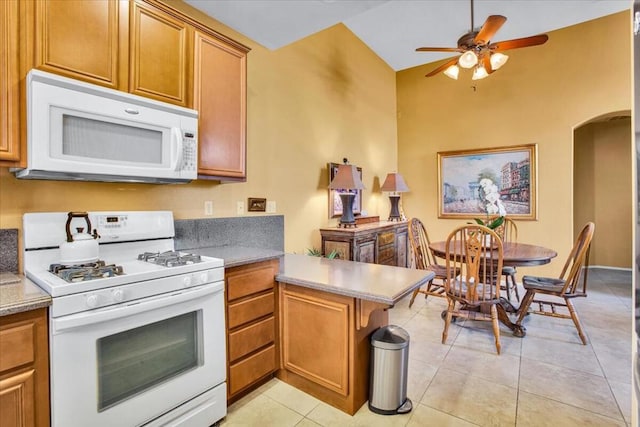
x=130 y=363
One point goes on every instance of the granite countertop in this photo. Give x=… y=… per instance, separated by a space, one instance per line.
x=371 y=282
x=23 y=295
x=237 y=255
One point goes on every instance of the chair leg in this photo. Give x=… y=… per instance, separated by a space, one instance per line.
x=413 y=297
x=576 y=321
x=515 y=286
x=429 y=285
x=447 y=320
x=506 y=287
x=496 y=326
x=524 y=306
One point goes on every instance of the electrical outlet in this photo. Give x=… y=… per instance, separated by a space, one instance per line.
x=271 y=206
x=208 y=207
x=240 y=207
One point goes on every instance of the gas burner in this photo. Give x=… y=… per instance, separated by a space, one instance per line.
x=169 y=258
x=85 y=272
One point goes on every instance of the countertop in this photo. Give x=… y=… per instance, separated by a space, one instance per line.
x=22 y=296
x=370 y=282
x=237 y=255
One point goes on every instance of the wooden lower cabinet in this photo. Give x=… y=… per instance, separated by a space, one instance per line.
x=252 y=340
x=383 y=242
x=325 y=348
x=24 y=369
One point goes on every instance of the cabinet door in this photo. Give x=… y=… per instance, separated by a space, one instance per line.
x=220 y=81
x=81 y=39
x=160 y=55
x=366 y=251
x=9 y=82
x=402 y=248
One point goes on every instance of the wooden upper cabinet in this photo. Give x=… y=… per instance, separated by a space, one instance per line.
x=220 y=84
x=160 y=55
x=83 y=40
x=10 y=101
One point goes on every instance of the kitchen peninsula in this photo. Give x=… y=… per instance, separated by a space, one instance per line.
x=328 y=310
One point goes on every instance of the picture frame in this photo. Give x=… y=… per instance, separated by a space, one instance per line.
x=335 y=202
x=256 y=204
x=513 y=169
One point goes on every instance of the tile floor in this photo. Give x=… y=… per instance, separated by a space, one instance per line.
x=547 y=378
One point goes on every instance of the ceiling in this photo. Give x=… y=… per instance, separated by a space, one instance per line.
x=394 y=29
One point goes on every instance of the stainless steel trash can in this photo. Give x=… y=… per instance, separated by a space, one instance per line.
x=388 y=371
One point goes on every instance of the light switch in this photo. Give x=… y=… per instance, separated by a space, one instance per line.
x=271 y=206
x=208 y=207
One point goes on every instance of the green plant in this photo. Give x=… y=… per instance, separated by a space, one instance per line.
x=317 y=252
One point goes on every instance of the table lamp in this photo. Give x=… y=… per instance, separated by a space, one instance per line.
x=347 y=179
x=394 y=184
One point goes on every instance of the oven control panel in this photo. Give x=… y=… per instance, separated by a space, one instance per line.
x=131 y=293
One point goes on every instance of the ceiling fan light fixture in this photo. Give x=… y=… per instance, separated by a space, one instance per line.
x=479 y=73
x=452 y=72
x=498 y=60
x=468 y=59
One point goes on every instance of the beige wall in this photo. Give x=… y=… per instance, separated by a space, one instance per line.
x=315 y=101
x=601 y=149
x=540 y=96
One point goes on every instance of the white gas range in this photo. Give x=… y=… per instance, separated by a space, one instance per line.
x=137 y=337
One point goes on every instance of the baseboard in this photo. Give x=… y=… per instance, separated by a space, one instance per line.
x=606 y=267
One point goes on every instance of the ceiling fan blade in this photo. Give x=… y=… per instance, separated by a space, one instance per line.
x=439 y=49
x=517 y=43
x=443 y=67
x=486 y=62
x=489 y=29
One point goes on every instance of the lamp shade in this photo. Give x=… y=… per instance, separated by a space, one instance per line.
x=347 y=178
x=394 y=182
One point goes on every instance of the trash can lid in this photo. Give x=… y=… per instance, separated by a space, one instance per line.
x=391 y=337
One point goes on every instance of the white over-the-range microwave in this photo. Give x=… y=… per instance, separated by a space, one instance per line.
x=80 y=131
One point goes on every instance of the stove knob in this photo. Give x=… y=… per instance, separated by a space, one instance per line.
x=92 y=300
x=186 y=281
x=118 y=295
x=203 y=278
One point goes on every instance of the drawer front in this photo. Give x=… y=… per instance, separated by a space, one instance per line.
x=252 y=337
x=17 y=346
x=252 y=369
x=243 y=283
x=248 y=310
x=386 y=238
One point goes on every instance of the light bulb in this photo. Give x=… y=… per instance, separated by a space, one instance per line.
x=468 y=59
x=479 y=73
x=452 y=72
x=498 y=60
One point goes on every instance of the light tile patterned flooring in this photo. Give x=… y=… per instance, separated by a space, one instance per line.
x=547 y=378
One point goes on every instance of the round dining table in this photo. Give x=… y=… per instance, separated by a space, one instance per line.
x=516 y=255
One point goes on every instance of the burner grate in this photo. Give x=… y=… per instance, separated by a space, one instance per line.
x=170 y=258
x=85 y=272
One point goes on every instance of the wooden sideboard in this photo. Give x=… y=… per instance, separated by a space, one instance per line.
x=383 y=242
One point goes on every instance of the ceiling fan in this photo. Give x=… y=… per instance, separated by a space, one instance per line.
x=477 y=50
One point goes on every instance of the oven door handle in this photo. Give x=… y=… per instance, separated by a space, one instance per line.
x=132 y=308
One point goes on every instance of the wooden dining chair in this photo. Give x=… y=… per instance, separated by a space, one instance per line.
x=508 y=232
x=424 y=259
x=560 y=291
x=476 y=252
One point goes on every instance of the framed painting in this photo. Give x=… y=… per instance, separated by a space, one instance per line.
x=335 y=202
x=513 y=170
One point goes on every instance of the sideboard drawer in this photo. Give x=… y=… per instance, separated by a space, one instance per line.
x=386 y=238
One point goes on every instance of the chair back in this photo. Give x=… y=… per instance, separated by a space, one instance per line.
x=476 y=252
x=578 y=258
x=419 y=242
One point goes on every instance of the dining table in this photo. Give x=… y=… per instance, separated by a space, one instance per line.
x=514 y=254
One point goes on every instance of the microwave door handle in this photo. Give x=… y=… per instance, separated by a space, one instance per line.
x=176 y=136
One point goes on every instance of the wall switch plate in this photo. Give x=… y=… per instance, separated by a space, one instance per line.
x=240 y=207
x=208 y=207
x=271 y=206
